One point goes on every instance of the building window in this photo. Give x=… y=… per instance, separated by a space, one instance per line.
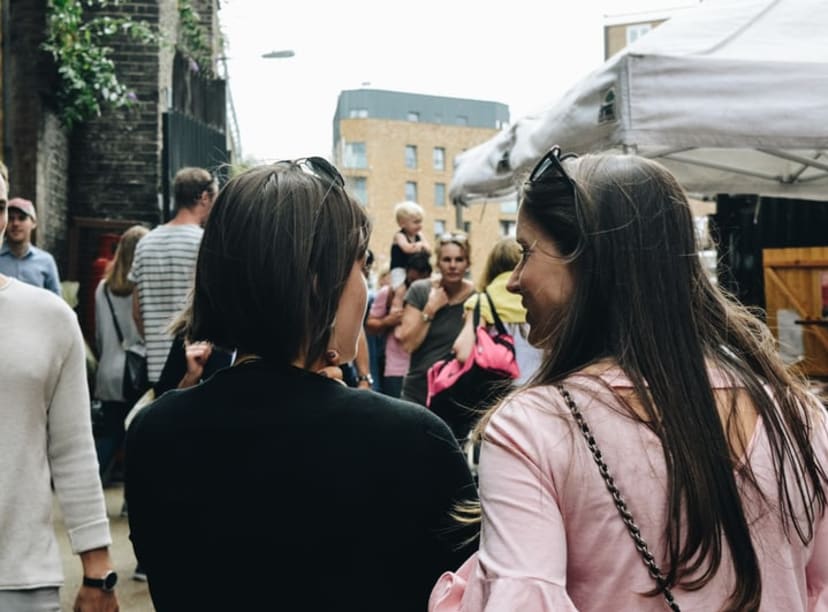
x=413 y=116
x=439 y=158
x=410 y=156
x=354 y=156
x=467 y=227
x=439 y=194
x=508 y=206
x=508 y=229
x=359 y=188
x=462 y=120
x=411 y=191
x=634 y=32
x=358 y=113
x=439 y=228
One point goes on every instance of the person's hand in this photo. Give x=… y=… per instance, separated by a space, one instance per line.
x=394 y=317
x=331 y=368
x=437 y=298
x=364 y=384
x=91 y=599
x=196 y=355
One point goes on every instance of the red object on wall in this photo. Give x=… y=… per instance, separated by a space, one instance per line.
x=106 y=254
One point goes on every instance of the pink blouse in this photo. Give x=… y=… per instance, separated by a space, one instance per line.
x=551 y=536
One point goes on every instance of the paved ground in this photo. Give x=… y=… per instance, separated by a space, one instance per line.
x=132 y=595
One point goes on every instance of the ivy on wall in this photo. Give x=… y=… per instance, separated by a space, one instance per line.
x=87 y=82
x=193 y=41
x=77 y=41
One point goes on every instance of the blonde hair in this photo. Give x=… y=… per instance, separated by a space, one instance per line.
x=116 y=277
x=504 y=257
x=407 y=210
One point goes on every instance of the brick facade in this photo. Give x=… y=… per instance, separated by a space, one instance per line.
x=387 y=174
x=107 y=173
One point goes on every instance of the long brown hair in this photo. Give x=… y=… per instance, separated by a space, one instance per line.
x=642 y=299
x=116 y=276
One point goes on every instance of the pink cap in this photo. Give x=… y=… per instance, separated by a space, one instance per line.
x=24 y=206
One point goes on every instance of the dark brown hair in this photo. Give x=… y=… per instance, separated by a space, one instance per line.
x=277 y=250
x=641 y=298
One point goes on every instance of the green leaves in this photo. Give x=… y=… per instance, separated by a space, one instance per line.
x=86 y=72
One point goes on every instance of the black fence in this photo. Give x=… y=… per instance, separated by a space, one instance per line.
x=190 y=142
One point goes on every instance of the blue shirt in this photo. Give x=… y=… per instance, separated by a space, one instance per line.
x=36 y=268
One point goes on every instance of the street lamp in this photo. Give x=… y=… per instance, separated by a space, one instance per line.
x=278 y=54
x=235 y=135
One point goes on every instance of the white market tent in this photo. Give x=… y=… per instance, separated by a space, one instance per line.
x=731 y=95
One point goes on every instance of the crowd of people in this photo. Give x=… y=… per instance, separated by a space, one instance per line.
x=284 y=450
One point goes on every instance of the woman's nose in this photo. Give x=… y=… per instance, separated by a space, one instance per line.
x=513 y=284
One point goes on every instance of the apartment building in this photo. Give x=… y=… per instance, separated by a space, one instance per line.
x=393 y=146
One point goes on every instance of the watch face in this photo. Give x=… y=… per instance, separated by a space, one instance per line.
x=110 y=580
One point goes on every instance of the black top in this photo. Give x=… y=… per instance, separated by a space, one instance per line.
x=175 y=367
x=272 y=488
x=399 y=259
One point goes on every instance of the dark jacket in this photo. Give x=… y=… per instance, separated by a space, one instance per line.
x=273 y=488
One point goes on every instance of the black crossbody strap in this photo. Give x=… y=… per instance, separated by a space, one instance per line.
x=620 y=504
x=114 y=318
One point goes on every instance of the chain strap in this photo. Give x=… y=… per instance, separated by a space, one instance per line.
x=620 y=504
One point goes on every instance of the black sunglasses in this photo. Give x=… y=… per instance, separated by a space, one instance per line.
x=318 y=167
x=550 y=167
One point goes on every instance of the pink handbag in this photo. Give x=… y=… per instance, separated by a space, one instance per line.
x=457 y=391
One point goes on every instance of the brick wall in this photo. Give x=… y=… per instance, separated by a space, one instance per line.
x=37 y=143
x=116 y=158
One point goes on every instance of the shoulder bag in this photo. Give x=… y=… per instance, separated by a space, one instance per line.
x=620 y=504
x=135 y=380
x=457 y=392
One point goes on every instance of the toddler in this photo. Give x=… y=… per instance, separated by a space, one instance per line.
x=407 y=241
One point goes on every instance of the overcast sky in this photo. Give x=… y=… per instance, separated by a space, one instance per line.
x=523 y=53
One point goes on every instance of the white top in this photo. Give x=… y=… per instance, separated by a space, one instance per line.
x=109 y=377
x=46 y=436
x=163 y=270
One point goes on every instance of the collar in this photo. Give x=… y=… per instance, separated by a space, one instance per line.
x=5 y=250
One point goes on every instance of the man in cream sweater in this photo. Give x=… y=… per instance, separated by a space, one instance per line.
x=46 y=438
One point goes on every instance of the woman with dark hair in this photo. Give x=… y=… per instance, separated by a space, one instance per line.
x=433 y=314
x=269 y=483
x=662 y=426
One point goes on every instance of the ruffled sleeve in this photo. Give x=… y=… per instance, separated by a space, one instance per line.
x=522 y=562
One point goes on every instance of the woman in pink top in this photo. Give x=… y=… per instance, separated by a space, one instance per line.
x=715 y=451
x=383 y=317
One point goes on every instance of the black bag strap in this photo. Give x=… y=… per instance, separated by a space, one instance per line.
x=114 y=318
x=501 y=329
x=620 y=505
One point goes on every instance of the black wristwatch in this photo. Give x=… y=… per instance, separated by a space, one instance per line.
x=106 y=583
x=366 y=377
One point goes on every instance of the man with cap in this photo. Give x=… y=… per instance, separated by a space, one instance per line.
x=19 y=258
x=47 y=445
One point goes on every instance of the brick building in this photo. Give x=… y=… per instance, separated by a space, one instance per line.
x=114 y=170
x=393 y=146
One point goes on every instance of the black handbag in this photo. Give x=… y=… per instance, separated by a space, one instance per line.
x=135 y=380
x=460 y=393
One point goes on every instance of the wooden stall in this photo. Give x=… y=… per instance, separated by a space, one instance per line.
x=796 y=298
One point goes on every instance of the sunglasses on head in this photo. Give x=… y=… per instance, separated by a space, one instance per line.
x=452 y=237
x=550 y=167
x=318 y=167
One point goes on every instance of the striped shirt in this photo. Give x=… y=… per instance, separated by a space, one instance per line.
x=163 y=271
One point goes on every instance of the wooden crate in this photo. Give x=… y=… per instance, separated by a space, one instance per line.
x=796 y=279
